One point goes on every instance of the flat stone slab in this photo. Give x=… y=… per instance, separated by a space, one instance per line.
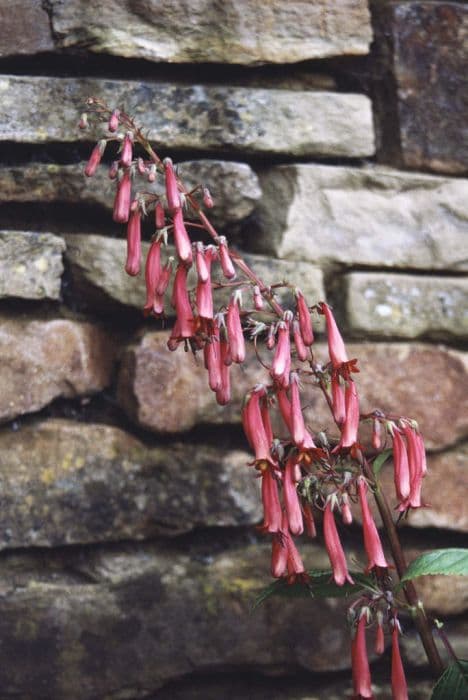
x=394 y=378
x=231 y=32
x=46 y=359
x=198 y=117
x=30 y=265
x=97 y=268
x=65 y=482
x=372 y=216
x=407 y=306
x=113 y=622
x=233 y=186
x=422 y=104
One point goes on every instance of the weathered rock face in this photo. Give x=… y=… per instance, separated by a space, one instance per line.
x=44 y=360
x=234 y=186
x=115 y=623
x=394 y=378
x=66 y=483
x=232 y=32
x=196 y=117
x=371 y=216
x=444 y=490
x=97 y=267
x=457 y=633
x=407 y=306
x=26 y=30
x=30 y=265
x=424 y=98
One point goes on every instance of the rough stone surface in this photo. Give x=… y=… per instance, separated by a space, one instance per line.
x=97 y=268
x=196 y=117
x=44 y=360
x=121 y=623
x=444 y=490
x=371 y=216
x=234 y=186
x=407 y=306
x=25 y=28
x=424 y=97
x=63 y=482
x=457 y=633
x=236 y=31
x=30 y=265
x=393 y=378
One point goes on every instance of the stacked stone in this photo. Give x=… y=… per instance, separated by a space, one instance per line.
x=126 y=511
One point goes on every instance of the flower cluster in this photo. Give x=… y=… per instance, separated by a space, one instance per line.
x=303 y=474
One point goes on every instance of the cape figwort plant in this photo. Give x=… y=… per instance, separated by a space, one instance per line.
x=301 y=472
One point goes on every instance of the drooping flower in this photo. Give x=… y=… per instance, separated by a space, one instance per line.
x=334 y=547
x=164 y=278
x=122 y=199
x=349 y=430
x=338 y=398
x=254 y=426
x=257 y=299
x=95 y=158
x=291 y=499
x=281 y=364
x=272 y=514
x=152 y=273
x=400 y=466
x=225 y=259
x=416 y=466
x=159 y=216
x=372 y=543
x=346 y=513
x=204 y=294
x=305 y=322
x=212 y=355
x=301 y=350
x=132 y=266
x=181 y=238
x=172 y=189
x=234 y=329
x=336 y=346
x=126 y=155
x=223 y=394
x=399 y=687
x=360 y=661
x=181 y=303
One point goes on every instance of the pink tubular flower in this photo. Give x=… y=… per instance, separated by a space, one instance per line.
x=181 y=238
x=95 y=158
x=152 y=274
x=225 y=259
x=181 y=303
x=159 y=216
x=212 y=355
x=301 y=349
x=126 y=155
x=272 y=515
x=281 y=364
x=132 y=266
x=204 y=294
x=334 y=548
x=346 y=513
x=305 y=323
x=234 y=329
x=372 y=543
x=207 y=198
x=113 y=124
x=349 y=430
x=203 y=271
x=279 y=555
x=297 y=418
x=164 y=278
x=416 y=466
x=338 y=398
x=254 y=426
x=360 y=662
x=291 y=499
x=336 y=347
x=122 y=199
x=400 y=466
x=399 y=688
x=379 y=635
x=257 y=299
x=172 y=189
x=223 y=394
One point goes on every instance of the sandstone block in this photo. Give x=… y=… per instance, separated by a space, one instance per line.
x=196 y=117
x=234 y=186
x=422 y=101
x=114 y=622
x=233 y=32
x=30 y=265
x=25 y=30
x=44 y=360
x=422 y=382
x=368 y=216
x=66 y=483
x=407 y=306
x=97 y=267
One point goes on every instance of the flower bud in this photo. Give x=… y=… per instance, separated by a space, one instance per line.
x=113 y=124
x=225 y=259
x=122 y=199
x=126 y=155
x=132 y=266
x=305 y=323
x=257 y=298
x=181 y=238
x=113 y=170
x=83 y=123
x=207 y=199
x=372 y=543
x=234 y=329
x=301 y=349
x=152 y=274
x=172 y=189
x=281 y=364
x=95 y=158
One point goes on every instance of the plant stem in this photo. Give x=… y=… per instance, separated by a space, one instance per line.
x=423 y=625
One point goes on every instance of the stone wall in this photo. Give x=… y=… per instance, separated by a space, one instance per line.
x=333 y=138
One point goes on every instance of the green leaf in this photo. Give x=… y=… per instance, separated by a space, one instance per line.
x=451 y=562
x=380 y=460
x=320 y=585
x=453 y=683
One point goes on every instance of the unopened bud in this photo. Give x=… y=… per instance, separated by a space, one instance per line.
x=113 y=170
x=257 y=298
x=141 y=166
x=207 y=198
x=83 y=123
x=152 y=173
x=114 y=120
